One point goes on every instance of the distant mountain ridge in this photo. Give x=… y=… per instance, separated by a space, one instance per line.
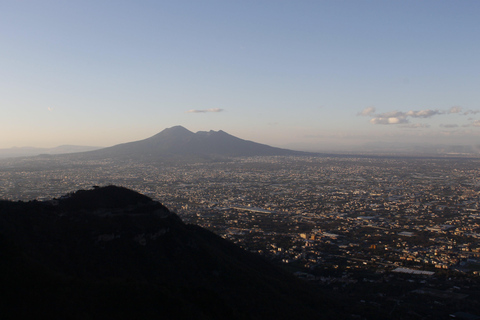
x=179 y=142
x=31 y=151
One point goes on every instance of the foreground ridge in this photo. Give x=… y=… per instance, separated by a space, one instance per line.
x=112 y=252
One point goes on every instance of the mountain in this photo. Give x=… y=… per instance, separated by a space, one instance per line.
x=112 y=253
x=30 y=151
x=178 y=142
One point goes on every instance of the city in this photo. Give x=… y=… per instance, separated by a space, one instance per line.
x=422 y=213
x=333 y=221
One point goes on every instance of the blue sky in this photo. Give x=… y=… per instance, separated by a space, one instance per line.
x=316 y=75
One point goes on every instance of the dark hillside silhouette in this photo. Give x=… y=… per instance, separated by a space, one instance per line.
x=113 y=253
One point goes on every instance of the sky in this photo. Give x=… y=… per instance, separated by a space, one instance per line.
x=308 y=75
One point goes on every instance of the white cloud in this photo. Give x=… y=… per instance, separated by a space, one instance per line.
x=400 y=117
x=455 y=109
x=392 y=117
x=204 y=110
x=215 y=110
x=388 y=120
x=396 y=120
x=403 y=118
x=396 y=114
x=423 y=113
x=367 y=111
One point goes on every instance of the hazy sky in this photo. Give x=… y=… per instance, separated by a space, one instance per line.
x=307 y=74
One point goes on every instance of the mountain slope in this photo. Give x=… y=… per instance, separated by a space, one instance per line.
x=89 y=255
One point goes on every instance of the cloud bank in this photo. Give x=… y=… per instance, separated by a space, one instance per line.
x=401 y=117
